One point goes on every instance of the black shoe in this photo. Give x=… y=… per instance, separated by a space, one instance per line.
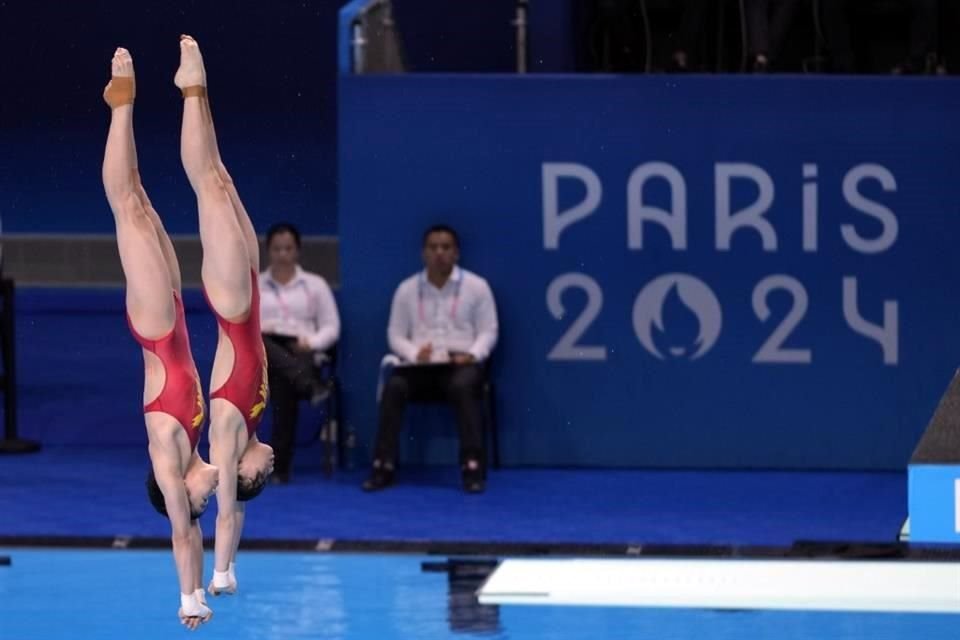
x=380 y=478
x=473 y=480
x=678 y=63
x=906 y=68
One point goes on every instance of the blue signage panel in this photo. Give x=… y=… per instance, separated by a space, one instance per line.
x=934 y=499
x=690 y=272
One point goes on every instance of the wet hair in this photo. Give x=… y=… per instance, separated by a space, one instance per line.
x=442 y=228
x=250 y=488
x=283 y=227
x=155 y=495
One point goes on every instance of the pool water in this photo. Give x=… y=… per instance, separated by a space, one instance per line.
x=106 y=594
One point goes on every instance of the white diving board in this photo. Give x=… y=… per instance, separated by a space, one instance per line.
x=814 y=585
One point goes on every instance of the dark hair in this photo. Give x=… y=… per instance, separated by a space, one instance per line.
x=156 y=498
x=250 y=488
x=442 y=228
x=283 y=227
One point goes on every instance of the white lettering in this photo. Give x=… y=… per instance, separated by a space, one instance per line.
x=567 y=347
x=772 y=352
x=855 y=199
x=674 y=220
x=554 y=220
x=810 y=208
x=887 y=335
x=750 y=217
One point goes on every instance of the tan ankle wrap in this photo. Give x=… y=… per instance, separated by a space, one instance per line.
x=120 y=91
x=195 y=91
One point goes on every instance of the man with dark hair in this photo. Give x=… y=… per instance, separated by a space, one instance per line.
x=231 y=261
x=180 y=482
x=443 y=325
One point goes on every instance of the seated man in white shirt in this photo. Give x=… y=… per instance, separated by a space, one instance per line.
x=443 y=316
x=299 y=321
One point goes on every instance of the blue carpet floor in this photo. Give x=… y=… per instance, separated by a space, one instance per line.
x=71 y=491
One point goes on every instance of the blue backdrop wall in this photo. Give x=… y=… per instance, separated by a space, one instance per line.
x=723 y=272
x=273 y=85
x=271 y=67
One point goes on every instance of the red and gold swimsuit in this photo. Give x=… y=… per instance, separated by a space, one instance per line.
x=181 y=396
x=246 y=386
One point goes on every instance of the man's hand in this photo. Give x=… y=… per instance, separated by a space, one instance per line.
x=462 y=358
x=303 y=345
x=425 y=353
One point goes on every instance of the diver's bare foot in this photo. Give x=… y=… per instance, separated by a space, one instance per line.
x=121 y=89
x=200 y=614
x=191 y=72
x=229 y=589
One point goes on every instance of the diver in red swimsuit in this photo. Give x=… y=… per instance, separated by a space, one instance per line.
x=231 y=262
x=180 y=482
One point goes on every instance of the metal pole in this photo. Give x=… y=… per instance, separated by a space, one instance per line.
x=10 y=443
x=359 y=43
x=520 y=22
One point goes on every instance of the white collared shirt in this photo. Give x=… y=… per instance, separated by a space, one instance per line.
x=303 y=307
x=459 y=317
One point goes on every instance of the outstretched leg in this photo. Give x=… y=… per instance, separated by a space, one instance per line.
x=145 y=266
x=243 y=218
x=166 y=246
x=227 y=281
x=226 y=260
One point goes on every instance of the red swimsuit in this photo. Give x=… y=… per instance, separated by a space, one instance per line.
x=246 y=386
x=181 y=397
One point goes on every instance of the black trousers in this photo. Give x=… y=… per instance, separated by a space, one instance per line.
x=292 y=378
x=768 y=22
x=693 y=22
x=836 y=18
x=460 y=385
